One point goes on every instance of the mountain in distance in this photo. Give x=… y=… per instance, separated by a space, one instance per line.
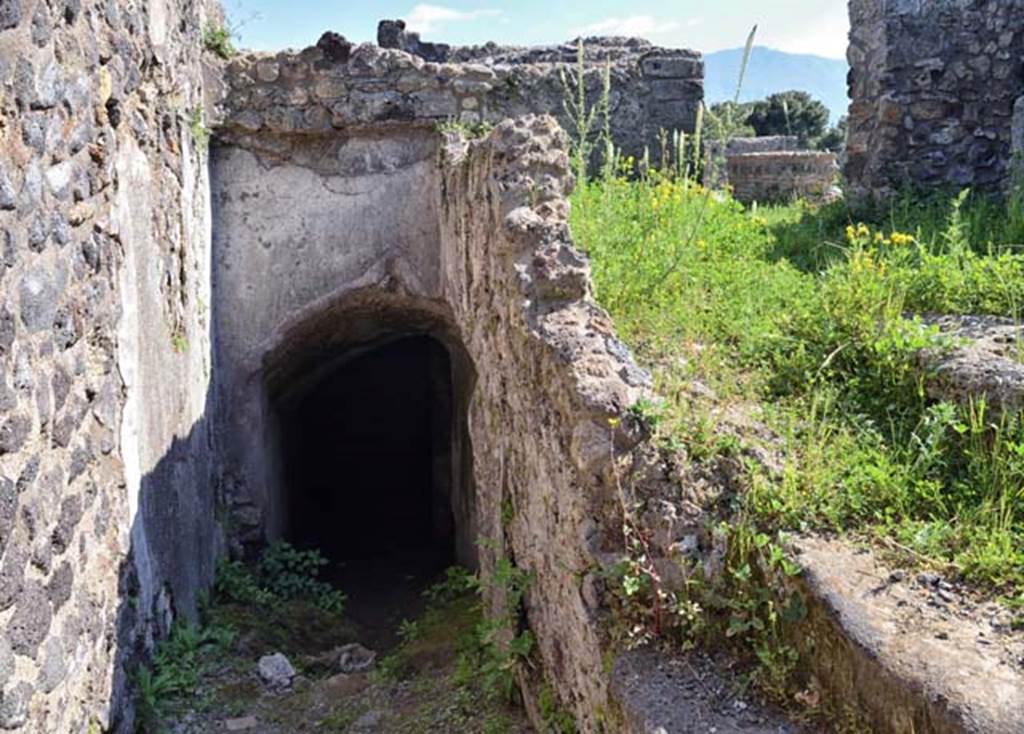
x=773 y=71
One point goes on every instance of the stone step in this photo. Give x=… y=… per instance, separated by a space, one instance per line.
x=659 y=693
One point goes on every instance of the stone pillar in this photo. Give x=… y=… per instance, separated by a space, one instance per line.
x=932 y=87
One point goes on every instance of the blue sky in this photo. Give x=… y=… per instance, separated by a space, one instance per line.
x=798 y=26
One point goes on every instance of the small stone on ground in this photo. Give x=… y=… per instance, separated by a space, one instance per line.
x=276 y=671
x=355 y=658
x=368 y=722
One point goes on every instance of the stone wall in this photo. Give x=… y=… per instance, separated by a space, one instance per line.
x=933 y=87
x=716 y=171
x=106 y=511
x=781 y=176
x=345 y=216
x=551 y=376
x=652 y=88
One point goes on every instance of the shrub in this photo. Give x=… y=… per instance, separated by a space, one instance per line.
x=217 y=39
x=283 y=574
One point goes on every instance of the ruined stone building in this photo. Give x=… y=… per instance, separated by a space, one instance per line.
x=199 y=259
x=175 y=309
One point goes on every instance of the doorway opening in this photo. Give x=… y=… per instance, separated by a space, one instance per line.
x=370 y=463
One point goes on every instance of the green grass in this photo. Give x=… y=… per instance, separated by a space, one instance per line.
x=810 y=312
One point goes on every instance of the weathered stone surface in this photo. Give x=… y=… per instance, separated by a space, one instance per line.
x=406 y=79
x=10 y=14
x=276 y=671
x=78 y=206
x=716 y=172
x=7 y=329
x=14 y=703
x=70 y=515
x=355 y=658
x=880 y=645
x=40 y=293
x=8 y=196
x=14 y=433
x=8 y=511
x=54 y=667
x=6 y=662
x=59 y=588
x=12 y=575
x=335 y=47
x=988 y=363
x=31 y=621
x=392 y=34
x=782 y=176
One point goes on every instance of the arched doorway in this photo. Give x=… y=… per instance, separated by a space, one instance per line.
x=368 y=454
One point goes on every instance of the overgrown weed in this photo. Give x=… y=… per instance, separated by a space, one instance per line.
x=273 y=604
x=814 y=315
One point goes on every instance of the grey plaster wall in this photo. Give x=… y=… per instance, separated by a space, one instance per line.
x=322 y=245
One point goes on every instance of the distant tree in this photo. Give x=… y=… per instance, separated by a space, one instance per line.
x=834 y=138
x=790 y=113
x=728 y=120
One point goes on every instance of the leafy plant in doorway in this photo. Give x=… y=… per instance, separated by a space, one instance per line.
x=283 y=574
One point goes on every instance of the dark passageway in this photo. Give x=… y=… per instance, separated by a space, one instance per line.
x=367 y=471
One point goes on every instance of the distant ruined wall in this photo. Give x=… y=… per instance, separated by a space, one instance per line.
x=652 y=88
x=106 y=512
x=716 y=171
x=781 y=176
x=933 y=84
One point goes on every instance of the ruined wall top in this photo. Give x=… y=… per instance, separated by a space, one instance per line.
x=599 y=49
x=337 y=85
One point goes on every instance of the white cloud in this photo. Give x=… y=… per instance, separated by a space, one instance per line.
x=633 y=25
x=822 y=35
x=426 y=18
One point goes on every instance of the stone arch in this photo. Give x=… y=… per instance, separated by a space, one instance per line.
x=330 y=246
x=411 y=341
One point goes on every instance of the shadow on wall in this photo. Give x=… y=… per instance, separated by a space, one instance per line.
x=175 y=540
x=370 y=454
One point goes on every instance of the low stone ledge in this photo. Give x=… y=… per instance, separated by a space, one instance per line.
x=910 y=656
x=989 y=364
